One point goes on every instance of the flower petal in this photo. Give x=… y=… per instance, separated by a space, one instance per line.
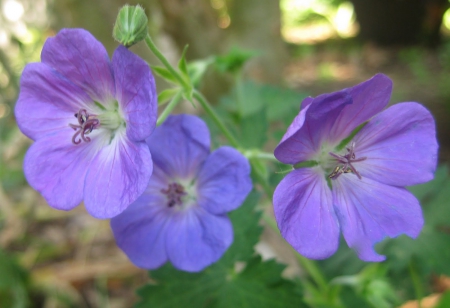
x=47 y=102
x=196 y=239
x=118 y=175
x=140 y=231
x=369 y=98
x=180 y=145
x=400 y=146
x=368 y=211
x=223 y=181
x=136 y=93
x=305 y=215
x=78 y=56
x=320 y=115
x=56 y=168
x=298 y=121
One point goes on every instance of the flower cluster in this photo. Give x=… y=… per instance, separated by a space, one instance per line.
x=351 y=161
x=92 y=121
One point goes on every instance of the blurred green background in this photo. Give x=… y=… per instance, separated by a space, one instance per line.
x=263 y=58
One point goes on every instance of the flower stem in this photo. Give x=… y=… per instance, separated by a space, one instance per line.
x=163 y=116
x=416 y=282
x=204 y=103
x=151 y=45
x=255 y=153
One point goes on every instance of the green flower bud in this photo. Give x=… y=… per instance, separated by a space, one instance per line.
x=131 y=25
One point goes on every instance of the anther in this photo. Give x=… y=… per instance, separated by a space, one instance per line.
x=346 y=163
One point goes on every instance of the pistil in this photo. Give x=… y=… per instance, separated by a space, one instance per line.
x=346 y=161
x=175 y=193
x=86 y=124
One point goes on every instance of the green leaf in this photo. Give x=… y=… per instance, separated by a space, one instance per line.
x=166 y=95
x=444 y=302
x=164 y=73
x=258 y=285
x=239 y=279
x=234 y=60
x=197 y=69
x=253 y=130
x=182 y=66
x=13 y=283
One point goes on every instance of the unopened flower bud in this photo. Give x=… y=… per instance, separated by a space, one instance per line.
x=131 y=25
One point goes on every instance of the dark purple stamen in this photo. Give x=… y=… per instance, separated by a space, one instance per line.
x=174 y=193
x=346 y=163
x=86 y=124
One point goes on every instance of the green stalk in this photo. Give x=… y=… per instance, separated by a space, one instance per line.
x=416 y=282
x=200 y=98
x=160 y=56
x=173 y=103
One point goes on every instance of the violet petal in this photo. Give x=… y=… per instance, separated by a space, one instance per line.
x=369 y=98
x=47 y=102
x=140 y=231
x=303 y=210
x=136 y=93
x=180 y=145
x=196 y=239
x=298 y=121
x=118 y=175
x=368 y=211
x=223 y=181
x=320 y=116
x=56 y=168
x=78 y=56
x=400 y=146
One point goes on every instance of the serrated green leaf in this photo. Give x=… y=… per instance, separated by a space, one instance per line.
x=166 y=95
x=164 y=73
x=258 y=285
x=246 y=230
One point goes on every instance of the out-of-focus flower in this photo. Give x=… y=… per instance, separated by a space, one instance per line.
x=89 y=118
x=353 y=182
x=181 y=217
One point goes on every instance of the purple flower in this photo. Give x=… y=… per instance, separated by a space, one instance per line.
x=357 y=187
x=89 y=118
x=181 y=217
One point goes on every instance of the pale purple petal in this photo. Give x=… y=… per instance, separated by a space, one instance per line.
x=400 y=146
x=320 y=116
x=369 y=98
x=56 y=168
x=118 y=175
x=368 y=211
x=223 y=181
x=140 y=231
x=78 y=56
x=136 y=93
x=196 y=239
x=180 y=145
x=298 y=121
x=303 y=210
x=47 y=102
